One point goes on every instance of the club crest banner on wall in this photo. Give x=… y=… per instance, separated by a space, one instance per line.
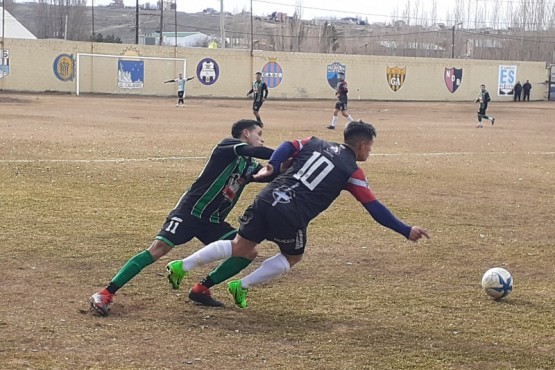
x=272 y=74
x=453 y=78
x=396 y=77
x=64 y=67
x=333 y=71
x=507 y=80
x=208 y=71
x=5 y=67
x=131 y=74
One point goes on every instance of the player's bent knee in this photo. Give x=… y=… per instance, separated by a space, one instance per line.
x=251 y=255
x=293 y=259
x=158 y=248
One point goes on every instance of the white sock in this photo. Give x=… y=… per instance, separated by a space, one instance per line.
x=269 y=269
x=349 y=118
x=334 y=121
x=213 y=252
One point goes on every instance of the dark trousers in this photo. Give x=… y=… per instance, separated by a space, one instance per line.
x=526 y=96
x=517 y=96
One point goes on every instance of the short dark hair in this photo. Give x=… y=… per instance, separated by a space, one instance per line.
x=340 y=74
x=240 y=125
x=258 y=73
x=356 y=131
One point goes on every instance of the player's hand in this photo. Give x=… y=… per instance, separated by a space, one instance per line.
x=417 y=232
x=285 y=165
x=264 y=173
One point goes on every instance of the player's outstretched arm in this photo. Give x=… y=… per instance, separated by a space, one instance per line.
x=358 y=187
x=190 y=78
x=260 y=152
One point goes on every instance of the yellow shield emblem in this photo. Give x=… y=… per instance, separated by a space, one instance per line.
x=396 y=77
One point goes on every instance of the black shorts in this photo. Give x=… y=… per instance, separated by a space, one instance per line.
x=180 y=94
x=341 y=105
x=482 y=111
x=256 y=105
x=181 y=228
x=262 y=222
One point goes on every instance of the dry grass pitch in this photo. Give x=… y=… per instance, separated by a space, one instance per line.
x=86 y=182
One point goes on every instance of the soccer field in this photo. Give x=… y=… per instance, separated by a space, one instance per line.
x=86 y=182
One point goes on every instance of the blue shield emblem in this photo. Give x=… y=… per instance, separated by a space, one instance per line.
x=272 y=74
x=333 y=71
x=453 y=78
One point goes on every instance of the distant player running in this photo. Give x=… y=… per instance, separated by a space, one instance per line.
x=483 y=99
x=260 y=93
x=181 y=82
x=341 y=92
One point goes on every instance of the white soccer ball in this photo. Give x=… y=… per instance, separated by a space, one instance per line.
x=497 y=283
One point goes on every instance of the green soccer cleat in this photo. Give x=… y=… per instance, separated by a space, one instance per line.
x=176 y=273
x=239 y=294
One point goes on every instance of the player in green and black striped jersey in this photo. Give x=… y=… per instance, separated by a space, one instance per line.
x=201 y=211
x=260 y=93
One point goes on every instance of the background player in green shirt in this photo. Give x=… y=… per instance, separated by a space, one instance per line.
x=260 y=93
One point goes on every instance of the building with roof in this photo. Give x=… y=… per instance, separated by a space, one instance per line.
x=184 y=39
x=12 y=29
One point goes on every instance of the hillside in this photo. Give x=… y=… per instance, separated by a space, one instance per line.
x=117 y=22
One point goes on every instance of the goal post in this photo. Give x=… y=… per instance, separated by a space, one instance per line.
x=126 y=74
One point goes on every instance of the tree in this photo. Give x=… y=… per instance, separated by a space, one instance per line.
x=64 y=19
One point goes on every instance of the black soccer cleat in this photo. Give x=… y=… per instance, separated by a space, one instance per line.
x=204 y=299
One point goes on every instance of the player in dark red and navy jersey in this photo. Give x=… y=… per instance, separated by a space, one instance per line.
x=281 y=212
x=201 y=211
x=341 y=92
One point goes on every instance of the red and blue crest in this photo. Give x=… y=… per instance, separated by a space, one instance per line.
x=453 y=78
x=272 y=74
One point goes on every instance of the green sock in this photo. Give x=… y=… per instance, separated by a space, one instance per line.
x=228 y=268
x=132 y=268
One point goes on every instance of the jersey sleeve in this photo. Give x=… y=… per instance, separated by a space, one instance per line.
x=260 y=152
x=299 y=144
x=228 y=148
x=358 y=187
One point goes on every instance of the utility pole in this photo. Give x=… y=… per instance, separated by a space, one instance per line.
x=92 y=11
x=252 y=34
x=137 y=22
x=3 y=27
x=175 y=21
x=161 y=21
x=222 y=30
x=453 y=39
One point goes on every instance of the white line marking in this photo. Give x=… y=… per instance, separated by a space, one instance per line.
x=114 y=160
x=121 y=160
